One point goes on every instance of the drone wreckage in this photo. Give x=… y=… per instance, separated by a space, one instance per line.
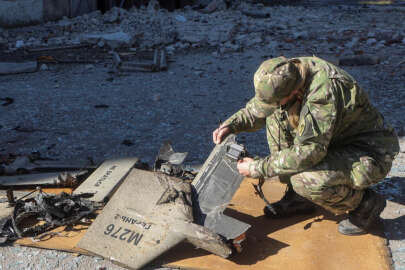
x=144 y=212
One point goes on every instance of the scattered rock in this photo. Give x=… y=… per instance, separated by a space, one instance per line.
x=371 y=41
x=199 y=73
x=156 y=97
x=301 y=35
x=100 y=44
x=19 y=44
x=113 y=40
x=43 y=67
x=221 y=33
x=353 y=43
x=215 y=5
x=153 y=6
x=64 y=22
x=180 y=18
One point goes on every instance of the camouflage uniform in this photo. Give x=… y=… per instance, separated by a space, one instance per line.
x=341 y=144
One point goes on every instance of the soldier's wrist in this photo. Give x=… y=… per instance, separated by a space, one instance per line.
x=254 y=169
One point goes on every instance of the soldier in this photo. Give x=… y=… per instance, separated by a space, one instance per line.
x=327 y=142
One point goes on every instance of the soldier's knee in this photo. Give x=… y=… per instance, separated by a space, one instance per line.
x=305 y=187
x=368 y=172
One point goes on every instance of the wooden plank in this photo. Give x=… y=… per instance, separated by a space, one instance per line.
x=309 y=242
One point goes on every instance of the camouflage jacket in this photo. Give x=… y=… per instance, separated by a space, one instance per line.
x=335 y=112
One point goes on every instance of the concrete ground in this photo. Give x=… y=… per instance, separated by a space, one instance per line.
x=56 y=112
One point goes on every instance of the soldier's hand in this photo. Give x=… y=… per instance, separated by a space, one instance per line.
x=220 y=133
x=243 y=166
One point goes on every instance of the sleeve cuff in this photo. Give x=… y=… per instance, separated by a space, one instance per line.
x=258 y=168
x=253 y=168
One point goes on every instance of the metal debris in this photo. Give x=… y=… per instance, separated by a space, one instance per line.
x=157 y=63
x=28 y=164
x=45 y=212
x=10 y=197
x=105 y=180
x=60 y=179
x=15 y=68
x=214 y=187
x=149 y=214
x=171 y=163
x=58 y=48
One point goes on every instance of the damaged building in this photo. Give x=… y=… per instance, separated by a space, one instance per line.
x=28 y=12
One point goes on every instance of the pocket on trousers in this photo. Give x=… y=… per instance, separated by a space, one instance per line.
x=367 y=172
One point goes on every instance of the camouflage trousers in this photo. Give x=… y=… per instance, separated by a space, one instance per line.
x=337 y=183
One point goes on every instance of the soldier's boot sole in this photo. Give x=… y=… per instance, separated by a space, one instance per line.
x=357 y=225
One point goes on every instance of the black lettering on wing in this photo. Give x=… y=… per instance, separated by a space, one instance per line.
x=136 y=237
x=126 y=231
x=115 y=234
x=109 y=229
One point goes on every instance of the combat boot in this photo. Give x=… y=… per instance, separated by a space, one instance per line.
x=291 y=204
x=365 y=215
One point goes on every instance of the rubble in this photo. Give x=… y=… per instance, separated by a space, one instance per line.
x=113 y=40
x=152 y=27
x=43 y=67
x=215 y=5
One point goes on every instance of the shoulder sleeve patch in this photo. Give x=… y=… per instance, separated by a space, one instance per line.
x=306 y=128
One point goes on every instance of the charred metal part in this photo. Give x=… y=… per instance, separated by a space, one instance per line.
x=116 y=59
x=237 y=242
x=157 y=63
x=44 y=212
x=259 y=191
x=29 y=193
x=214 y=187
x=10 y=197
x=23 y=164
x=150 y=213
x=61 y=179
x=156 y=58
x=167 y=154
x=235 y=151
x=170 y=163
x=58 y=48
x=163 y=60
